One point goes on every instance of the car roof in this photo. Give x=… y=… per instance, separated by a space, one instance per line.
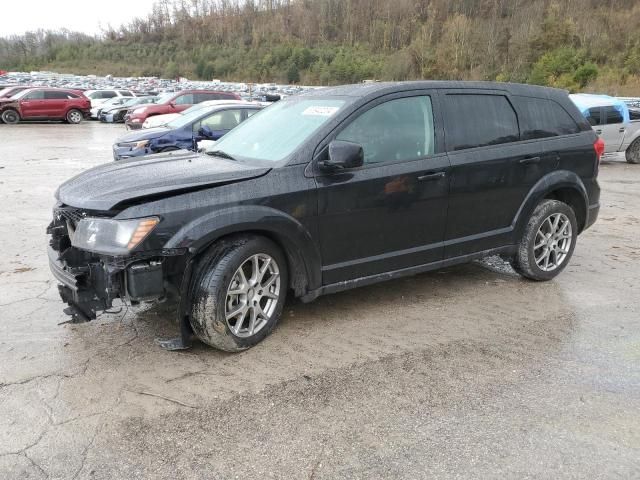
x=379 y=88
x=225 y=102
x=585 y=101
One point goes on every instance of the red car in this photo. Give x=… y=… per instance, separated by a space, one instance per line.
x=45 y=104
x=174 y=103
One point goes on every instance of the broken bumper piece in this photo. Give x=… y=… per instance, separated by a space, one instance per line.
x=85 y=289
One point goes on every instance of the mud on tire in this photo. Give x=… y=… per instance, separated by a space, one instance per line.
x=632 y=154
x=215 y=277
x=535 y=234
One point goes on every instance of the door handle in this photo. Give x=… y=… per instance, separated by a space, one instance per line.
x=599 y=132
x=431 y=176
x=622 y=130
x=529 y=160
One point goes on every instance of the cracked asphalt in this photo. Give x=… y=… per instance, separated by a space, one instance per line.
x=471 y=372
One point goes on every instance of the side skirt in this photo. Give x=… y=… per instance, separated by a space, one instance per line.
x=508 y=250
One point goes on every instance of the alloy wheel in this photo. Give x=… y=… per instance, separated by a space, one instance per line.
x=252 y=295
x=74 y=117
x=553 y=242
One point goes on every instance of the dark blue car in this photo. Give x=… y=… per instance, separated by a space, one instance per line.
x=205 y=123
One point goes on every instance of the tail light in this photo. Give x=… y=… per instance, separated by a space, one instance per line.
x=598 y=146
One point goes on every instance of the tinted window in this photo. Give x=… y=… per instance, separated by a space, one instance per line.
x=56 y=95
x=543 y=118
x=107 y=94
x=611 y=115
x=37 y=95
x=593 y=116
x=186 y=99
x=634 y=113
x=393 y=131
x=125 y=93
x=479 y=120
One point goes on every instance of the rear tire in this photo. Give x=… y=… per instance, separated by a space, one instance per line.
x=10 y=117
x=548 y=241
x=238 y=292
x=632 y=153
x=74 y=116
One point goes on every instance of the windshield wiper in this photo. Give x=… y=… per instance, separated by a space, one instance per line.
x=221 y=154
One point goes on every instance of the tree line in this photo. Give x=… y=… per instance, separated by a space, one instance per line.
x=573 y=44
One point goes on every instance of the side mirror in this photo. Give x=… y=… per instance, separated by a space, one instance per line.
x=206 y=132
x=172 y=104
x=343 y=155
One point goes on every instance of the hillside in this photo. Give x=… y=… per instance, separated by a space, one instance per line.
x=575 y=44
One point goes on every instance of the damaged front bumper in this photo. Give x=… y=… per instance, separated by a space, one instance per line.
x=90 y=282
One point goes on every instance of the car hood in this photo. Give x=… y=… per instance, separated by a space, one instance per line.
x=139 y=135
x=110 y=186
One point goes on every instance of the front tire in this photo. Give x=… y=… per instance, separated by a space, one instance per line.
x=238 y=292
x=632 y=154
x=74 y=116
x=548 y=241
x=10 y=117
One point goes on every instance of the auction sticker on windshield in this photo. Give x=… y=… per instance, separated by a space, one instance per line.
x=320 y=111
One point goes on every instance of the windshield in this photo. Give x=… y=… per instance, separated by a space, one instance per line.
x=275 y=132
x=187 y=117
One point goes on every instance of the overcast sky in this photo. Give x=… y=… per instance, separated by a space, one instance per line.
x=79 y=15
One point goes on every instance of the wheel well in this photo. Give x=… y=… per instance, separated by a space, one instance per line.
x=571 y=197
x=298 y=279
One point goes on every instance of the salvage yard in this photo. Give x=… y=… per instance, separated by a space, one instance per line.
x=470 y=372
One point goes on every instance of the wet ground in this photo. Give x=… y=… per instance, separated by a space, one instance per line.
x=470 y=372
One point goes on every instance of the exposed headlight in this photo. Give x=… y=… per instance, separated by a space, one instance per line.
x=112 y=237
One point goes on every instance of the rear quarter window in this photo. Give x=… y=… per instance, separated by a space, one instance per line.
x=542 y=118
x=479 y=120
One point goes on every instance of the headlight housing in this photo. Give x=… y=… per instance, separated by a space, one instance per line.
x=112 y=237
x=132 y=145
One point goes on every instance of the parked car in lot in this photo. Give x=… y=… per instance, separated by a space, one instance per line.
x=174 y=103
x=184 y=132
x=45 y=104
x=9 y=92
x=116 y=113
x=329 y=190
x=98 y=97
x=115 y=101
x=161 y=120
x=613 y=121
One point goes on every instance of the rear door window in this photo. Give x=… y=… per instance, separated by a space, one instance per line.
x=479 y=120
x=611 y=115
x=542 y=118
x=394 y=131
x=56 y=95
x=108 y=94
x=125 y=93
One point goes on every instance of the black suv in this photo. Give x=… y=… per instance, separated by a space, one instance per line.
x=326 y=191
